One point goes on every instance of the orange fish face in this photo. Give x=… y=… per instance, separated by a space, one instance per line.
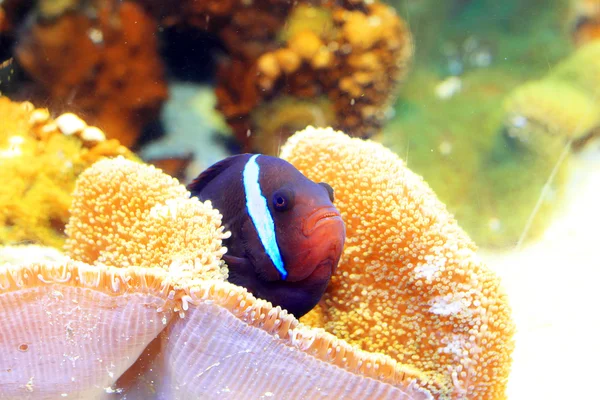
x=311 y=234
x=317 y=245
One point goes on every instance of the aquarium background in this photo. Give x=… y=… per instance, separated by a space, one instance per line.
x=495 y=104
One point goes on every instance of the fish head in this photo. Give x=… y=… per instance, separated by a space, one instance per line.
x=309 y=228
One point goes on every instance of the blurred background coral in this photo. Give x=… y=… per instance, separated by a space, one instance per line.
x=186 y=83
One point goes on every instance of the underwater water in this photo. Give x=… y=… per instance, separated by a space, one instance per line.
x=420 y=223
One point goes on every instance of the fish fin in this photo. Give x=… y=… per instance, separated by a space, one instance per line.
x=240 y=269
x=254 y=252
x=238 y=261
x=211 y=173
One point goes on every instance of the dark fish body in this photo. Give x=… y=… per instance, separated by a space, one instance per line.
x=286 y=235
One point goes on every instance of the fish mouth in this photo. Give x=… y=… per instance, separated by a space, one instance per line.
x=320 y=217
x=321 y=273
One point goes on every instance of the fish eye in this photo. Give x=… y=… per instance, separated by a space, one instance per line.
x=283 y=199
x=329 y=190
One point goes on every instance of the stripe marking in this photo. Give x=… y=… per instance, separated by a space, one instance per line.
x=260 y=215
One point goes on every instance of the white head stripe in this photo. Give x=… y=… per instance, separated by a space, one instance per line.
x=260 y=215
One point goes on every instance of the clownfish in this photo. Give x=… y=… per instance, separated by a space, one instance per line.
x=286 y=235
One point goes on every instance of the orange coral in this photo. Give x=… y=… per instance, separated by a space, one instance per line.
x=355 y=62
x=107 y=66
x=129 y=214
x=3 y=21
x=348 y=55
x=409 y=283
x=587 y=20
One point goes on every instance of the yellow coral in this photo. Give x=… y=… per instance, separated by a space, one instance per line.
x=582 y=69
x=130 y=214
x=354 y=55
x=308 y=17
x=543 y=103
x=364 y=31
x=281 y=118
x=409 y=283
x=564 y=103
x=38 y=168
x=54 y=8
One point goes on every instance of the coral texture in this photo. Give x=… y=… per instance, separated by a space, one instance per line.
x=351 y=56
x=105 y=66
x=130 y=214
x=102 y=57
x=409 y=283
x=156 y=254
x=40 y=158
x=538 y=107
